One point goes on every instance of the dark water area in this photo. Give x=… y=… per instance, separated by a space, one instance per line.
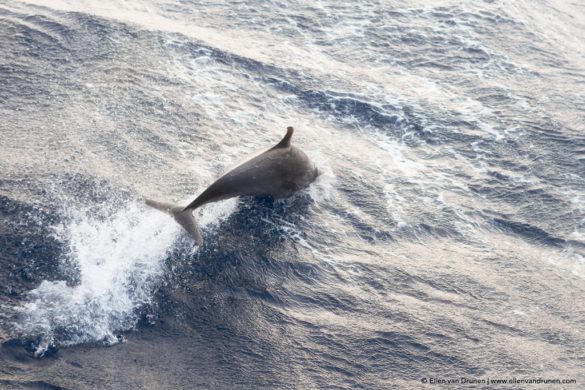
x=445 y=237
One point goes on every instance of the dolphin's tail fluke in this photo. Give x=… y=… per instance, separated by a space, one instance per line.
x=184 y=218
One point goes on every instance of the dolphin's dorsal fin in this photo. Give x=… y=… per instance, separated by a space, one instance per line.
x=285 y=143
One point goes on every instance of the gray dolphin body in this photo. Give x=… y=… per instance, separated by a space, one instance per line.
x=279 y=173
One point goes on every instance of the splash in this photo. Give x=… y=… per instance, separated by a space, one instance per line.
x=118 y=262
x=119 y=265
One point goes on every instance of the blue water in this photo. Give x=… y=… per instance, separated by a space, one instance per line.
x=445 y=237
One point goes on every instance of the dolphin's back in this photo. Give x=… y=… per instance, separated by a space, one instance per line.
x=278 y=172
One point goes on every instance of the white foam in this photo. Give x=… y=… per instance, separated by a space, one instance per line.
x=213 y=213
x=322 y=188
x=119 y=261
x=393 y=204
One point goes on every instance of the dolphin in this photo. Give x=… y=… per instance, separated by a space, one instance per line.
x=279 y=172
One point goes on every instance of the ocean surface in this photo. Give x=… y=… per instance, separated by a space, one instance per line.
x=444 y=239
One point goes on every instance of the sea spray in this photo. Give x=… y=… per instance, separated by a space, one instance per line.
x=119 y=260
